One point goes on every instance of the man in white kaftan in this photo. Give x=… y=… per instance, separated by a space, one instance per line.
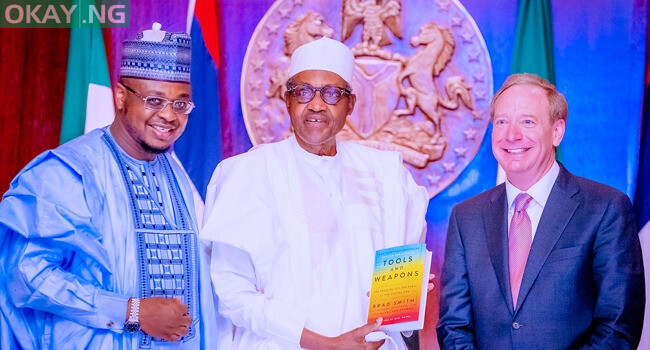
x=99 y=236
x=294 y=225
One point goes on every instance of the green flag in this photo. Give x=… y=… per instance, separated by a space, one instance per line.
x=88 y=101
x=533 y=50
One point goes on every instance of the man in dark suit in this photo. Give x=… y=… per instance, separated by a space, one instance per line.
x=547 y=260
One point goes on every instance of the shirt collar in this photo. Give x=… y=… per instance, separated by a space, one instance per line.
x=312 y=159
x=539 y=191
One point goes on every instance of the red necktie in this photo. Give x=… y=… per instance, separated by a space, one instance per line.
x=520 y=237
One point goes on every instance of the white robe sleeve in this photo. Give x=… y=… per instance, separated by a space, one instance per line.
x=242 y=225
x=417 y=201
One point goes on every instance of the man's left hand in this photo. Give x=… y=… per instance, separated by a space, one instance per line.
x=431 y=285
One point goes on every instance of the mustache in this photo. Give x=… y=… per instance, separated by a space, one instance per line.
x=321 y=114
x=162 y=122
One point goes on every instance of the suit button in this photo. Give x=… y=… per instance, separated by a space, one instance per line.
x=516 y=325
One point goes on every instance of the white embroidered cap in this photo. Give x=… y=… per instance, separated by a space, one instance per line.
x=323 y=54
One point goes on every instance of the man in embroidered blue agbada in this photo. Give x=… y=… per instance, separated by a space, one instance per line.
x=99 y=246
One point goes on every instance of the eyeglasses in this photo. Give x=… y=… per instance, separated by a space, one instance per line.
x=330 y=94
x=158 y=103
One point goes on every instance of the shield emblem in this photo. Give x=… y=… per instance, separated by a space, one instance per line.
x=375 y=84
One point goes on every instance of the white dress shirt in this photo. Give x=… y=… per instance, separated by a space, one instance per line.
x=539 y=191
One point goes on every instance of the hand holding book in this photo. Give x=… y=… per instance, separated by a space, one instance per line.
x=352 y=340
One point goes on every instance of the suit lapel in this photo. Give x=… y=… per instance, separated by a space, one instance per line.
x=559 y=209
x=496 y=233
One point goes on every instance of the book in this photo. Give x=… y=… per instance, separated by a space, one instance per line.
x=398 y=292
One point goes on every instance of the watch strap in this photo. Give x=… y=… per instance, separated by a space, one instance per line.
x=134 y=315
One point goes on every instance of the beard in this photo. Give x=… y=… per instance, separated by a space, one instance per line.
x=134 y=134
x=152 y=149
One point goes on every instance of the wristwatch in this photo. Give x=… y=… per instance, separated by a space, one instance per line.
x=132 y=325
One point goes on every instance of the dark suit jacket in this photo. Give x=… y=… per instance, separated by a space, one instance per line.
x=582 y=287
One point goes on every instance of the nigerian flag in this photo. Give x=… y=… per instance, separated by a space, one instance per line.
x=533 y=49
x=88 y=101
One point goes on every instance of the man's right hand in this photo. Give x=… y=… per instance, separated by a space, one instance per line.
x=356 y=338
x=352 y=340
x=164 y=318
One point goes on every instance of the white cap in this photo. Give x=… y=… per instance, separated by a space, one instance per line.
x=323 y=54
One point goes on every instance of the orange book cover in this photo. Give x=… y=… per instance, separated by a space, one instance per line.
x=399 y=287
